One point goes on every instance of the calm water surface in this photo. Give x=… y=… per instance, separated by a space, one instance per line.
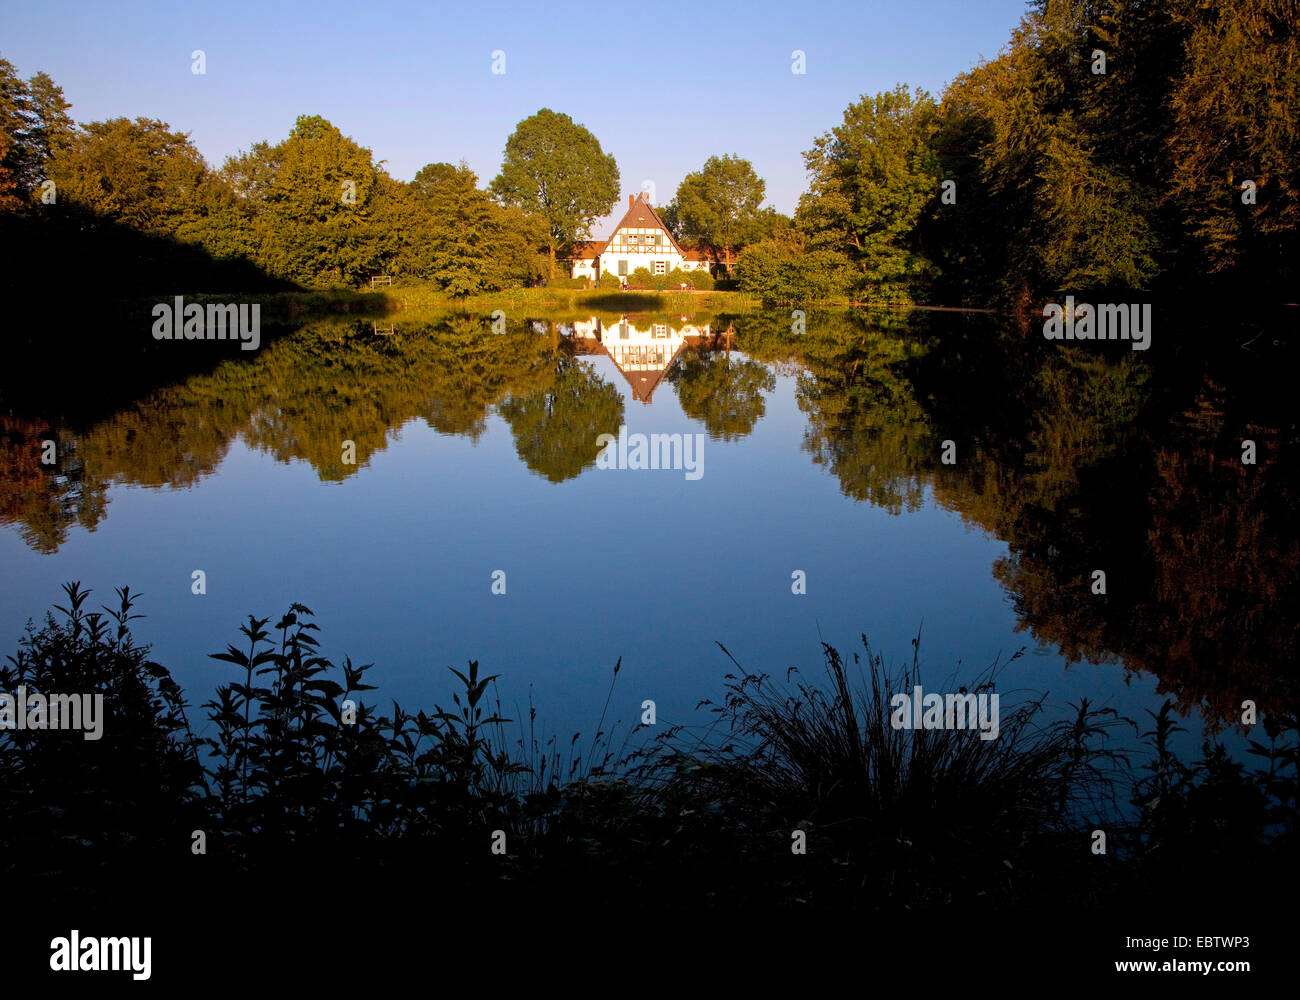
x=821 y=453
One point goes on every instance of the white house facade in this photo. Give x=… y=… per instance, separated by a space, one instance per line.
x=639 y=240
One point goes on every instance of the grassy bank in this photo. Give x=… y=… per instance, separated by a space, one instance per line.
x=554 y=303
x=561 y=304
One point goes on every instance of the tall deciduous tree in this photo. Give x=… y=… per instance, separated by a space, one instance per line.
x=34 y=123
x=314 y=198
x=1059 y=196
x=463 y=240
x=1240 y=86
x=870 y=179
x=555 y=168
x=719 y=204
x=139 y=173
x=1111 y=142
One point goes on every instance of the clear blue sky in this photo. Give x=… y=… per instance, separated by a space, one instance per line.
x=662 y=86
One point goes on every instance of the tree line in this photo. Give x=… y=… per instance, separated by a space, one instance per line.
x=313 y=209
x=316 y=209
x=1114 y=144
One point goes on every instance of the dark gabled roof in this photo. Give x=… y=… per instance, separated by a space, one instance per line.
x=641 y=215
x=583 y=250
x=704 y=252
x=644 y=383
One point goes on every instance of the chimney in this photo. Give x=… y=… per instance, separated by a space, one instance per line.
x=630 y=199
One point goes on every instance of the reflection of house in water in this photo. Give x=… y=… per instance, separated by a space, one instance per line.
x=643 y=353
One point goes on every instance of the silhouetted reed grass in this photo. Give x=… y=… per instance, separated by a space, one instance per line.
x=916 y=814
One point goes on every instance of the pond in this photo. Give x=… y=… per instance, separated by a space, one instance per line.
x=438 y=490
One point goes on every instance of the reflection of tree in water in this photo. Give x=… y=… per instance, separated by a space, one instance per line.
x=724 y=393
x=45 y=500
x=1202 y=561
x=477 y=369
x=864 y=422
x=1092 y=462
x=556 y=428
x=1078 y=460
x=299 y=399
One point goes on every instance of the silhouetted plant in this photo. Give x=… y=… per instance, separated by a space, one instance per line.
x=296 y=772
x=909 y=817
x=94 y=812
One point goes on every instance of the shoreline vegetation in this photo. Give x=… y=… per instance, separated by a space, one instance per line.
x=1034 y=174
x=556 y=302
x=291 y=772
x=424 y=298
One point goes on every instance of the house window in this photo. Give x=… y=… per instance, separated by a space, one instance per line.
x=659 y=330
x=622 y=330
x=622 y=267
x=659 y=239
x=661 y=267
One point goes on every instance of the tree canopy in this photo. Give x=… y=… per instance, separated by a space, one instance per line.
x=312 y=209
x=720 y=203
x=463 y=240
x=1111 y=145
x=869 y=180
x=34 y=122
x=555 y=168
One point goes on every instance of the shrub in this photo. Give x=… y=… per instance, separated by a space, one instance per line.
x=609 y=281
x=560 y=282
x=905 y=814
x=779 y=271
x=84 y=814
x=642 y=278
x=672 y=280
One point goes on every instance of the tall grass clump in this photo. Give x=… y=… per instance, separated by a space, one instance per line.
x=897 y=817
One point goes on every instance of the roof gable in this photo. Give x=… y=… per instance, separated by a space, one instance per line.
x=643 y=381
x=641 y=215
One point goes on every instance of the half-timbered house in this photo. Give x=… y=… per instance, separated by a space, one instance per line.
x=640 y=240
